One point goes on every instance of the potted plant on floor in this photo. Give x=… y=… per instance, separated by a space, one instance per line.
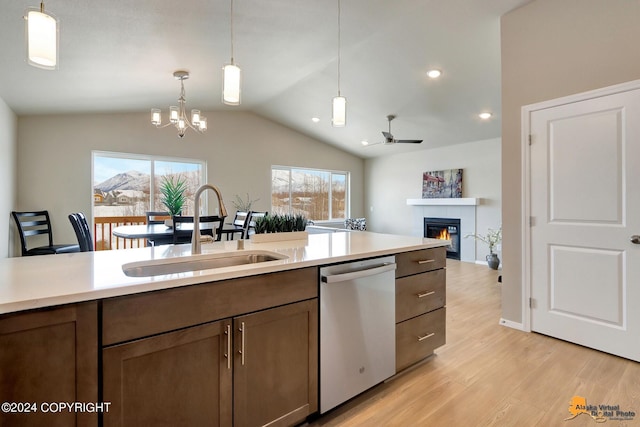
x=172 y=189
x=492 y=239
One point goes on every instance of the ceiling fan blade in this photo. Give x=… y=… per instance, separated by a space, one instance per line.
x=408 y=141
x=372 y=143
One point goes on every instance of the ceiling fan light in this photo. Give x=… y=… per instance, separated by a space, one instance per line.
x=231 y=84
x=339 y=112
x=42 y=38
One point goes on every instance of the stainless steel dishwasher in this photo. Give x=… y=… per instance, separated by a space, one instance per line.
x=357 y=328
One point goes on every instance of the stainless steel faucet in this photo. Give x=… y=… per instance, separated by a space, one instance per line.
x=195 y=236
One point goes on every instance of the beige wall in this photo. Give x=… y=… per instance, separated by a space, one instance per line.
x=391 y=180
x=54 y=157
x=8 y=141
x=551 y=49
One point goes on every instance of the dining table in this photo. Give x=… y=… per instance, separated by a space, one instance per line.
x=159 y=233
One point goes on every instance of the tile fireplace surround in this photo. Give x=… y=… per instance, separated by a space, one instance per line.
x=464 y=209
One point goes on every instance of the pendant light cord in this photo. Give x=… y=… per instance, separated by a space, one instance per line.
x=232 y=32
x=339 y=37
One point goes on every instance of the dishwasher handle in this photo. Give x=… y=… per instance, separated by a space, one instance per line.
x=352 y=275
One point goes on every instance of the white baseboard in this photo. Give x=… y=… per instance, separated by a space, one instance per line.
x=512 y=324
x=479 y=262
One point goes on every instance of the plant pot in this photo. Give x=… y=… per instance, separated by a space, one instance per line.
x=168 y=223
x=493 y=261
x=278 y=237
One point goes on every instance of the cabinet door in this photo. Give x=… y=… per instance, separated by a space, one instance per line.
x=276 y=365
x=49 y=356
x=180 y=378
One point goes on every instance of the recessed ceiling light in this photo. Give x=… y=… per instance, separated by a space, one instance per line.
x=485 y=116
x=364 y=142
x=315 y=119
x=434 y=74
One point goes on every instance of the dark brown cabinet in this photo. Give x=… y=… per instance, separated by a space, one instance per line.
x=180 y=378
x=256 y=366
x=46 y=357
x=275 y=367
x=420 y=305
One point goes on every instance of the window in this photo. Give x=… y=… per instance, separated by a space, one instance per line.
x=129 y=184
x=320 y=195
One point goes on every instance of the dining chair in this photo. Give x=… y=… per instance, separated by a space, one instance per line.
x=83 y=232
x=157 y=217
x=36 y=227
x=239 y=225
x=184 y=236
x=251 y=224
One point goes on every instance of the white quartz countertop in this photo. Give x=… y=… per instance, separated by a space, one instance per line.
x=49 y=280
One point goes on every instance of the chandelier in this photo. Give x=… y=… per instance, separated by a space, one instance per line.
x=178 y=115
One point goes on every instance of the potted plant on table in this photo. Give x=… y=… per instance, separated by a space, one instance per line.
x=492 y=239
x=172 y=189
x=243 y=205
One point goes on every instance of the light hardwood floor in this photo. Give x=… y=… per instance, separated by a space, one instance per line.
x=491 y=375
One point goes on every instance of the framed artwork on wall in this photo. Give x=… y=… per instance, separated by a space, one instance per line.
x=445 y=184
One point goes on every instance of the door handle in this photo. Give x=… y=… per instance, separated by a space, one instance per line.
x=635 y=239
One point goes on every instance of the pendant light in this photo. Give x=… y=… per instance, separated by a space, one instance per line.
x=339 y=106
x=231 y=76
x=42 y=38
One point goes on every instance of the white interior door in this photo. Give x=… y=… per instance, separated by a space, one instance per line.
x=585 y=207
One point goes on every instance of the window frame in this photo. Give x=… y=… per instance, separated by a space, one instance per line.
x=331 y=172
x=152 y=159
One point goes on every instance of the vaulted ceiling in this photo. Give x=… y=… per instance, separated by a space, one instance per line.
x=119 y=56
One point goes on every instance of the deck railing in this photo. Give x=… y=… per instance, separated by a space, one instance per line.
x=103 y=238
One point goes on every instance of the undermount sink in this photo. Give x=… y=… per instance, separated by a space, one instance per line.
x=197 y=262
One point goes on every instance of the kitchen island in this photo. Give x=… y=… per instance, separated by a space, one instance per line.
x=237 y=344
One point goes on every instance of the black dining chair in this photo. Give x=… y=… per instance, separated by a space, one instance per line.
x=239 y=225
x=251 y=224
x=83 y=232
x=184 y=236
x=157 y=217
x=36 y=227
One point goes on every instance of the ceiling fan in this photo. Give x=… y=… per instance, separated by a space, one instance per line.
x=390 y=140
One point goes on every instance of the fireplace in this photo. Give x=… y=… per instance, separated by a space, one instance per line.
x=445 y=229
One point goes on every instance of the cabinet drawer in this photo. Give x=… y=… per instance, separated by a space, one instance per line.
x=419 y=294
x=137 y=316
x=415 y=262
x=418 y=337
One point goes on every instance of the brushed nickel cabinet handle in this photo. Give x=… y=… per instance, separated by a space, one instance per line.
x=426 y=336
x=242 y=342
x=426 y=261
x=426 y=294
x=227 y=332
